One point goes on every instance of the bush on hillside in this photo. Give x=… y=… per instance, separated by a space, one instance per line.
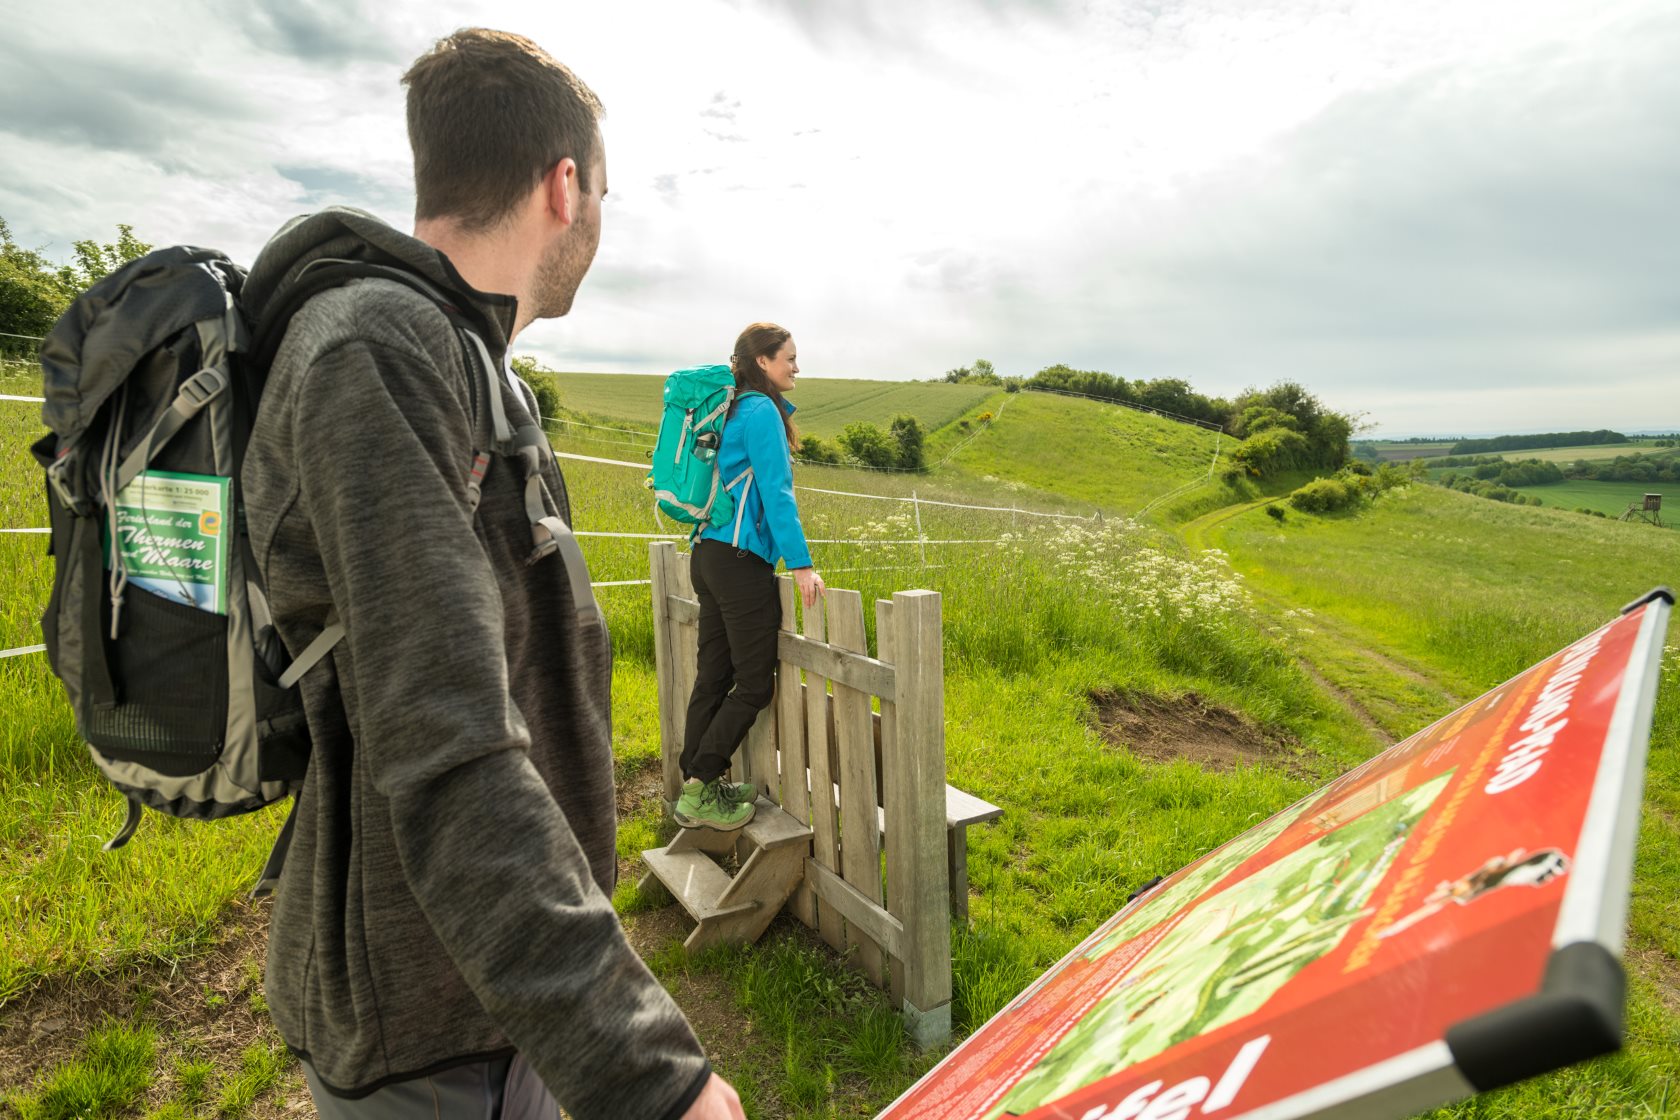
x=1267 y=452
x=1276 y=513
x=907 y=434
x=1322 y=495
x=815 y=449
x=868 y=445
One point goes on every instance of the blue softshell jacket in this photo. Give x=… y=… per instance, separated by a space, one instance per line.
x=766 y=521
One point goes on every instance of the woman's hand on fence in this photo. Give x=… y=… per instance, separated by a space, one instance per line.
x=810 y=585
x=717 y=1101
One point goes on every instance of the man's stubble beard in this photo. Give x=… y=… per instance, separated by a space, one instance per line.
x=563 y=268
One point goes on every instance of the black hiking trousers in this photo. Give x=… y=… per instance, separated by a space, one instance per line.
x=735 y=677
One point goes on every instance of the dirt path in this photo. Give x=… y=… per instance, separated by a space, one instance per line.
x=1351 y=646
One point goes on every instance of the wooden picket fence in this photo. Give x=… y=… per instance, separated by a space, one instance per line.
x=855 y=779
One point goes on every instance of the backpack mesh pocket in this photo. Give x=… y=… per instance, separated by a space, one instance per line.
x=171 y=671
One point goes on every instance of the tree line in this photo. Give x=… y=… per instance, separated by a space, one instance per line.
x=1535 y=442
x=1637 y=467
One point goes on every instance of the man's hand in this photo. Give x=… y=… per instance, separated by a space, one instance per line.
x=810 y=585
x=717 y=1101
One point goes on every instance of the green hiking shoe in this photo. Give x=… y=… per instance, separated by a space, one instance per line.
x=713 y=804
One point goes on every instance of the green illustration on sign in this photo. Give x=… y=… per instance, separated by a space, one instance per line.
x=1231 y=953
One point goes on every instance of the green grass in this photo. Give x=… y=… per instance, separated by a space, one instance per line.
x=825 y=404
x=109 y=1078
x=1461 y=590
x=1116 y=459
x=260 y=1067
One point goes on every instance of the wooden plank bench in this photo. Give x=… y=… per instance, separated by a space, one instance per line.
x=961 y=810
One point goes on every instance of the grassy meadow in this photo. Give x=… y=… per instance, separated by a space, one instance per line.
x=1327 y=637
x=1609 y=498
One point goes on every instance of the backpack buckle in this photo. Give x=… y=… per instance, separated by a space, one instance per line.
x=202 y=387
x=61 y=476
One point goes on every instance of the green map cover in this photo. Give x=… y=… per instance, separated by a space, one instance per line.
x=171 y=530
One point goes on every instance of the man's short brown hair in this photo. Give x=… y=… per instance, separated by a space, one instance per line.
x=489 y=113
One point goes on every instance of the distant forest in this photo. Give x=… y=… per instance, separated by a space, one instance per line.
x=1536 y=442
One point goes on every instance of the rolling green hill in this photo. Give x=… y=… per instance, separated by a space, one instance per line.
x=826 y=405
x=1116 y=458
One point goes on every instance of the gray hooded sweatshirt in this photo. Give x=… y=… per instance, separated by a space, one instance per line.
x=446 y=896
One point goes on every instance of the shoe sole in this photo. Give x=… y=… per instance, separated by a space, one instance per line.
x=690 y=822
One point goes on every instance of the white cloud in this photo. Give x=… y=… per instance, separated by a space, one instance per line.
x=1396 y=204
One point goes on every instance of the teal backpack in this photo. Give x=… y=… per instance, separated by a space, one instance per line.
x=684 y=478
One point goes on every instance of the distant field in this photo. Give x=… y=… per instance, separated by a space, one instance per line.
x=825 y=406
x=1570 y=454
x=1401 y=452
x=1610 y=498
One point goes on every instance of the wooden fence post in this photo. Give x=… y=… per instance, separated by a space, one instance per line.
x=915 y=807
x=662 y=556
x=897 y=887
x=790 y=741
x=860 y=837
x=825 y=828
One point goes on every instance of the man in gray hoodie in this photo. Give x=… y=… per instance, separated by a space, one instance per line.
x=443 y=941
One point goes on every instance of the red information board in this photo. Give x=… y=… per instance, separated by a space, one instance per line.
x=1445 y=919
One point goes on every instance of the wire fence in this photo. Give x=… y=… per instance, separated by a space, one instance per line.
x=921 y=540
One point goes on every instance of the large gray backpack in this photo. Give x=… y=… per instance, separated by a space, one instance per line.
x=165 y=643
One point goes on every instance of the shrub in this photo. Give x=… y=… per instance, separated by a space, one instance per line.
x=814 y=449
x=1321 y=495
x=984 y=418
x=868 y=445
x=1270 y=450
x=907 y=434
x=1275 y=513
x=542 y=385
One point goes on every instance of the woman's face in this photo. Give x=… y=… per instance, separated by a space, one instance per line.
x=782 y=367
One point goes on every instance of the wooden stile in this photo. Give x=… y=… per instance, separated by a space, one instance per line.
x=839 y=783
x=860 y=841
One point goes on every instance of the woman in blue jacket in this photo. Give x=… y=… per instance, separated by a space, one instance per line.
x=734 y=573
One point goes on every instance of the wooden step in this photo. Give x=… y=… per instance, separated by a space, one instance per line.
x=754 y=898
x=769 y=828
x=694 y=880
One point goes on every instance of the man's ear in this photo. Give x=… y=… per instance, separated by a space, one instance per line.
x=563 y=190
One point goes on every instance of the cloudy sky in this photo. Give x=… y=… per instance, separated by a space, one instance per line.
x=1453 y=216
